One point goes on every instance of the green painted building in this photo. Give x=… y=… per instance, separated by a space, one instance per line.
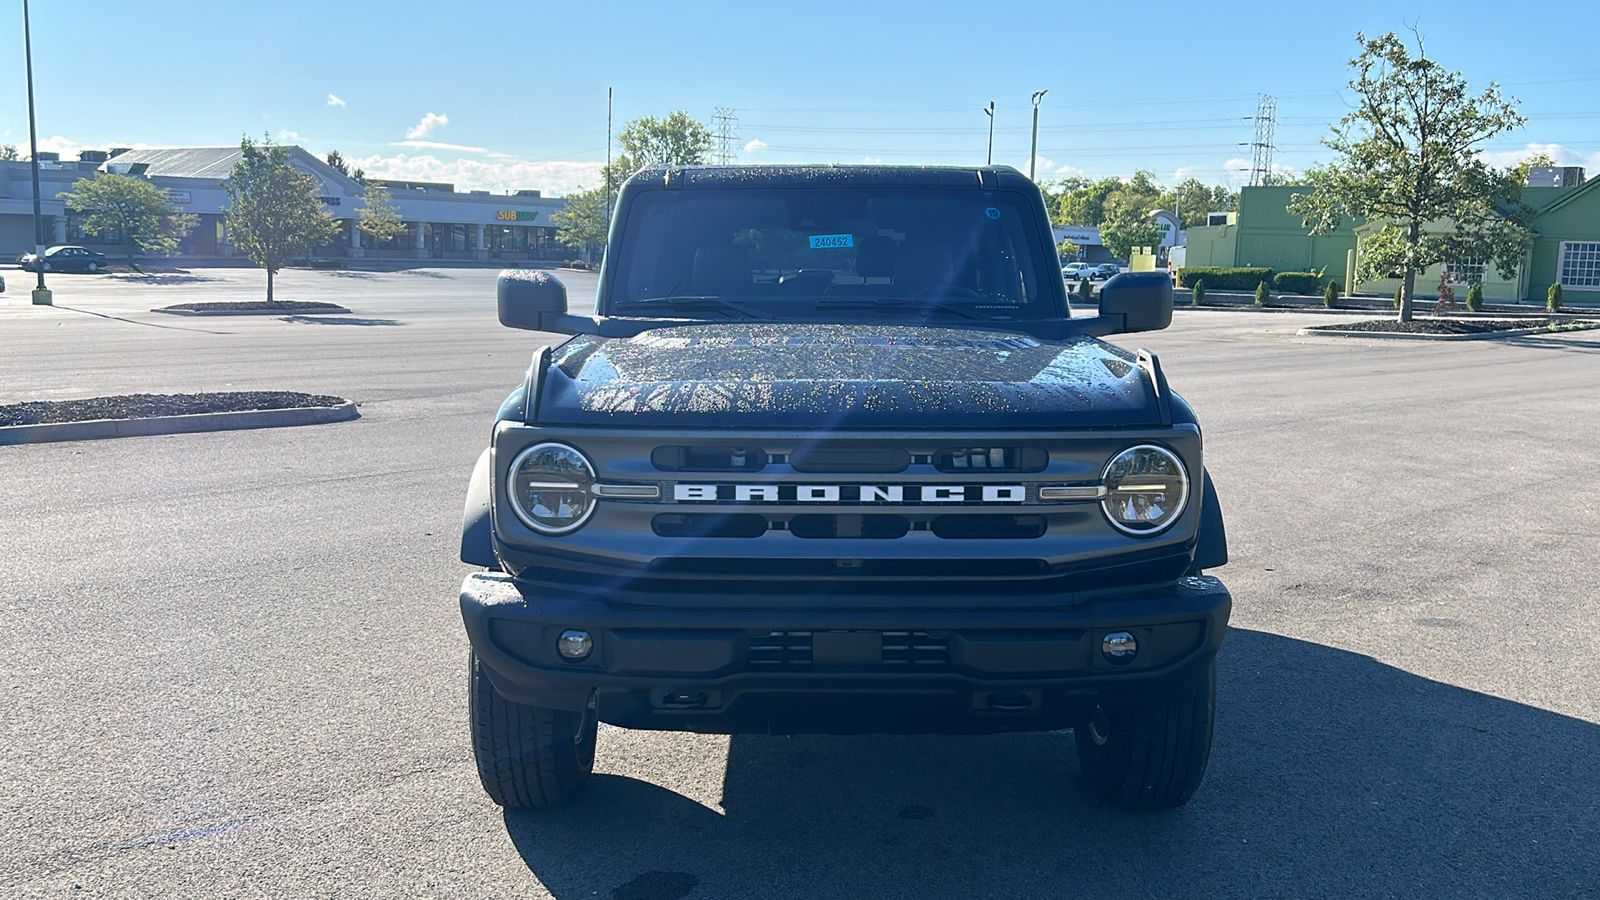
x=1566 y=247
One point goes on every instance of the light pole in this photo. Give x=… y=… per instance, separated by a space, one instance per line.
x=41 y=294
x=1034 y=154
x=989 y=111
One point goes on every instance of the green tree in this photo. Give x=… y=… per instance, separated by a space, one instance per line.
x=8 y=152
x=1128 y=225
x=1067 y=249
x=273 y=211
x=1263 y=294
x=677 y=140
x=337 y=163
x=135 y=209
x=1552 y=298
x=1199 y=295
x=378 y=217
x=582 y=222
x=1330 y=295
x=1410 y=154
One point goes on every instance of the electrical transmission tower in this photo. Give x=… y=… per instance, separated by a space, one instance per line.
x=726 y=126
x=1262 y=147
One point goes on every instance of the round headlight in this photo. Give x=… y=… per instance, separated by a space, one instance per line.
x=1146 y=489
x=551 y=488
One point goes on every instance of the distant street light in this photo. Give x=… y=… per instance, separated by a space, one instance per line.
x=989 y=111
x=41 y=294
x=1034 y=154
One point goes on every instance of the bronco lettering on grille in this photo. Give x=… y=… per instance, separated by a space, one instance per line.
x=851 y=494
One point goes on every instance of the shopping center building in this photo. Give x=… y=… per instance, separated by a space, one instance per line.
x=441 y=223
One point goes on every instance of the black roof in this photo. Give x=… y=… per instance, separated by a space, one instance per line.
x=942 y=177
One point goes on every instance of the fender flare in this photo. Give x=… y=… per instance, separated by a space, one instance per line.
x=1211 y=547
x=477 y=529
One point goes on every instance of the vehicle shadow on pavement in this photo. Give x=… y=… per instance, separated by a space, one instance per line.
x=1331 y=775
x=338 y=320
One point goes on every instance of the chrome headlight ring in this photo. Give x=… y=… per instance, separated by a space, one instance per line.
x=551 y=488
x=1147 y=488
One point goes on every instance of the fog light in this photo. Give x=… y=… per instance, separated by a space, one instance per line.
x=1119 y=647
x=575 y=645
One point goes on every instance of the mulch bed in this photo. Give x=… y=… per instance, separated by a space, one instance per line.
x=258 y=305
x=144 y=406
x=1446 y=326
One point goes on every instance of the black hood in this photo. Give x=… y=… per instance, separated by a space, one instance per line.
x=843 y=376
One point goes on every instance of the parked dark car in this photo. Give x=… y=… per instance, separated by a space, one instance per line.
x=1104 y=271
x=66 y=258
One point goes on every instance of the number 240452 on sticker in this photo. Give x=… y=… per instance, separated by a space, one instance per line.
x=831 y=241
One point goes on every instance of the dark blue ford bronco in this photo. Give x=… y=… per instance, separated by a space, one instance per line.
x=833 y=455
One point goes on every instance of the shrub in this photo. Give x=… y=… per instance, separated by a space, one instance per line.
x=1330 y=295
x=1297 y=282
x=1199 y=293
x=1398 y=293
x=1475 y=297
x=1552 y=302
x=1218 y=278
x=1085 y=290
x=1263 y=294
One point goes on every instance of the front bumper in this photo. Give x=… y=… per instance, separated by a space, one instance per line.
x=980 y=668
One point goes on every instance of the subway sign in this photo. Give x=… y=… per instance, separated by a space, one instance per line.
x=516 y=215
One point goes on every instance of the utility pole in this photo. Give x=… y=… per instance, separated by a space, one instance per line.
x=608 y=160
x=989 y=111
x=726 y=124
x=41 y=294
x=1033 y=155
x=1266 y=127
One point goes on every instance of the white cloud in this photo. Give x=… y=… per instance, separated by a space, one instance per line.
x=1563 y=155
x=333 y=100
x=1068 y=171
x=436 y=145
x=1184 y=173
x=293 y=137
x=755 y=145
x=427 y=125
x=498 y=175
x=70 y=147
x=872 y=160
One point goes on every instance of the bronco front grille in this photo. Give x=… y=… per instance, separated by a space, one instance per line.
x=849 y=649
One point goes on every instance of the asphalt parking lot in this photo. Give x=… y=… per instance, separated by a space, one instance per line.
x=234 y=665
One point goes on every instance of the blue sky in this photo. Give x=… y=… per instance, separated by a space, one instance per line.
x=512 y=95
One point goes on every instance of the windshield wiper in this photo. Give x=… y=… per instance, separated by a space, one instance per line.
x=898 y=306
x=688 y=303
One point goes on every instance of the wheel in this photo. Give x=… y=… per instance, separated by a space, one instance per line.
x=93 y=268
x=1150 y=755
x=528 y=756
x=47 y=268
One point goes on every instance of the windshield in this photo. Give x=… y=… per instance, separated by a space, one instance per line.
x=810 y=253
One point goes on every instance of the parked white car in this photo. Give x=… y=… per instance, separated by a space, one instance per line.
x=1076 y=271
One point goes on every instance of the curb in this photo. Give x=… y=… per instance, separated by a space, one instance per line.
x=329 y=311
x=96 y=429
x=1480 y=336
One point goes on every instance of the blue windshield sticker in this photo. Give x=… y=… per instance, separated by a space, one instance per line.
x=992 y=212
x=831 y=241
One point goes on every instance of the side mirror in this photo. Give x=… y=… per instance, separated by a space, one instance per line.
x=1136 y=301
x=531 y=300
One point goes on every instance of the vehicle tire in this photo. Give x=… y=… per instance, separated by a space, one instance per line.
x=528 y=756
x=47 y=268
x=1150 y=755
x=93 y=268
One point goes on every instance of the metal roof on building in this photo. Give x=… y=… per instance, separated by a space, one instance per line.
x=182 y=162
